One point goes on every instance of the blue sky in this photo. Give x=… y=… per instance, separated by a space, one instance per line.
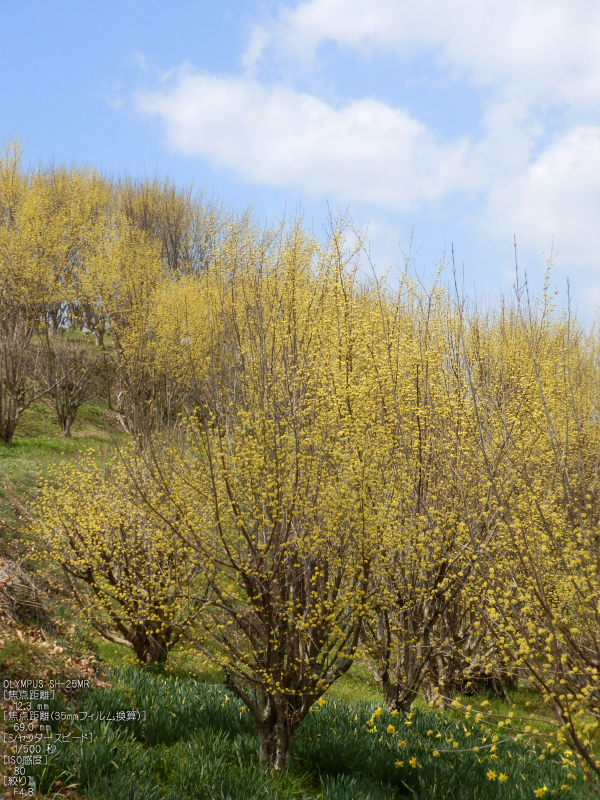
x=445 y=123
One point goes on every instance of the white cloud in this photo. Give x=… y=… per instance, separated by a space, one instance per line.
x=259 y=40
x=365 y=151
x=546 y=48
x=552 y=207
x=556 y=198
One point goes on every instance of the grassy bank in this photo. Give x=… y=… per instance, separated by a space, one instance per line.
x=196 y=740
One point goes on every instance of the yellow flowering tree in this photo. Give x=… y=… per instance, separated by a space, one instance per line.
x=136 y=581
x=422 y=634
x=282 y=465
x=30 y=241
x=543 y=596
x=118 y=281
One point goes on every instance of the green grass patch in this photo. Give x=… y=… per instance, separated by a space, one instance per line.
x=183 y=662
x=28 y=461
x=162 y=738
x=357 y=685
x=523 y=711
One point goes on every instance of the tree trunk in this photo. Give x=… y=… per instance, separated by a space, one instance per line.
x=66 y=427
x=52 y=322
x=394 y=698
x=391 y=695
x=150 y=649
x=7 y=429
x=275 y=739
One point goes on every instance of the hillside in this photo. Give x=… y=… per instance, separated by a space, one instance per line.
x=238 y=472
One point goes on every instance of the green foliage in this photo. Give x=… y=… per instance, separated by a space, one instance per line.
x=198 y=741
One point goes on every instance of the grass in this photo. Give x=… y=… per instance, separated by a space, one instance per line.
x=356 y=685
x=195 y=740
x=36 y=448
x=183 y=663
x=16 y=659
x=526 y=705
